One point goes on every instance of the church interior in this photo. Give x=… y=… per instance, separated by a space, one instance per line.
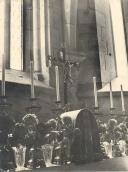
x=64 y=84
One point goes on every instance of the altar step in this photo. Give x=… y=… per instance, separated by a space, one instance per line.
x=115 y=164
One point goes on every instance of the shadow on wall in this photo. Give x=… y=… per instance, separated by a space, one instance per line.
x=19 y=97
x=88 y=68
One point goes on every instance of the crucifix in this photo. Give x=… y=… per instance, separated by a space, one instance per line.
x=61 y=61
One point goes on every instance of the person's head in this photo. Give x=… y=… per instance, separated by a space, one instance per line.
x=51 y=124
x=112 y=123
x=102 y=128
x=19 y=130
x=31 y=130
x=123 y=127
x=77 y=132
x=18 y=134
x=98 y=121
x=30 y=119
x=67 y=122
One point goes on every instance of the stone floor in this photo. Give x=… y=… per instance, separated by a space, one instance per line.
x=115 y=164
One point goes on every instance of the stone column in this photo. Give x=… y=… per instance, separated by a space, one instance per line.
x=70 y=19
x=44 y=68
x=35 y=36
x=28 y=32
x=16 y=35
x=48 y=26
x=105 y=41
x=2 y=2
x=119 y=38
x=5 y=31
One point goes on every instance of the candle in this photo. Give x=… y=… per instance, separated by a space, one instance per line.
x=111 y=97
x=61 y=54
x=3 y=76
x=95 y=92
x=57 y=83
x=32 y=79
x=122 y=99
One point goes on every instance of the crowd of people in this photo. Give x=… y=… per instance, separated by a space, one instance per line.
x=33 y=144
x=114 y=137
x=23 y=143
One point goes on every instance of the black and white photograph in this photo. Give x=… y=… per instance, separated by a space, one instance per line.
x=63 y=85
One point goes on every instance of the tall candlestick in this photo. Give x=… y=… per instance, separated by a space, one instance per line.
x=32 y=79
x=3 y=76
x=122 y=99
x=57 y=83
x=61 y=55
x=111 y=97
x=95 y=92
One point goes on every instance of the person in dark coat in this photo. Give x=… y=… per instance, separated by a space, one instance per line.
x=7 y=159
x=77 y=156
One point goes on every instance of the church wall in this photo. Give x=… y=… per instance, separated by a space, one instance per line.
x=70 y=23
x=27 y=36
x=81 y=90
x=86 y=28
x=16 y=34
x=104 y=103
x=125 y=15
x=5 y=31
x=87 y=43
x=105 y=41
x=104 y=98
x=82 y=87
x=57 y=38
x=34 y=38
x=19 y=97
x=7 y=35
x=56 y=25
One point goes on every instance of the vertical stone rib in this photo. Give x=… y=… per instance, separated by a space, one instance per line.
x=70 y=8
x=16 y=35
x=44 y=68
x=7 y=33
x=48 y=27
x=35 y=36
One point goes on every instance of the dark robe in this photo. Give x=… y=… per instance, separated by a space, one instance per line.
x=86 y=122
x=77 y=155
x=7 y=158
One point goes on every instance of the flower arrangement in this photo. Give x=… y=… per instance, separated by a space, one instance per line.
x=116 y=134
